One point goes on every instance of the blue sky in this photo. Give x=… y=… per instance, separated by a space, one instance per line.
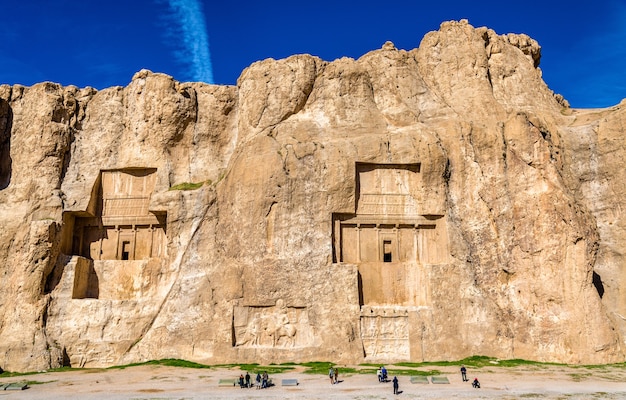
x=103 y=43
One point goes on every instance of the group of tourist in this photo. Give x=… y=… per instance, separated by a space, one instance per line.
x=333 y=374
x=262 y=380
x=381 y=374
x=475 y=383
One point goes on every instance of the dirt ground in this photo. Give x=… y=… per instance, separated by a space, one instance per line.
x=161 y=382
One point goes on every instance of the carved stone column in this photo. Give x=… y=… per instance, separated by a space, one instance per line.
x=415 y=244
x=358 y=242
x=117 y=242
x=151 y=230
x=396 y=232
x=132 y=249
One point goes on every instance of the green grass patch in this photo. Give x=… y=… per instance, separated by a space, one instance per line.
x=519 y=362
x=317 y=367
x=187 y=186
x=61 y=369
x=270 y=369
x=478 y=362
x=322 y=367
x=351 y=371
x=171 y=362
x=168 y=362
x=7 y=374
x=245 y=367
x=412 y=372
x=256 y=368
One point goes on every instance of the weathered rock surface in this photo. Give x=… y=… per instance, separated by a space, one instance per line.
x=409 y=205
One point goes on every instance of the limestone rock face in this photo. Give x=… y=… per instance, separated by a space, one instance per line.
x=413 y=205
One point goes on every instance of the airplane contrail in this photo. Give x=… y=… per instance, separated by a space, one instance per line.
x=186 y=23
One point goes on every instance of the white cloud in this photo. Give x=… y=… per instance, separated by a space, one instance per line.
x=185 y=27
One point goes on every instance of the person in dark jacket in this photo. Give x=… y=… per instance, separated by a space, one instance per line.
x=464 y=373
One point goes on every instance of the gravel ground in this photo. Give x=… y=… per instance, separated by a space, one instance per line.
x=161 y=382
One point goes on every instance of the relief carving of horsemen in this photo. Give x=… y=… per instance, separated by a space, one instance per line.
x=271 y=328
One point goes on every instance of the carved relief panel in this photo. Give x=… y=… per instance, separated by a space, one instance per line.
x=388 y=189
x=385 y=337
x=277 y=326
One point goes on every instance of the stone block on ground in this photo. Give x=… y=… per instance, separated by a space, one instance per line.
x=227 y=382
x=439 y=379
x=16 y=386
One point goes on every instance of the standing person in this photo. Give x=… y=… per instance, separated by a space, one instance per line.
x=241 y=381
x=379 y=374
x=266 y=379
x=258 y=380
x=395 y=385
x=336 y=375
x=247 y=379
x=331 y=375
x=464 y=373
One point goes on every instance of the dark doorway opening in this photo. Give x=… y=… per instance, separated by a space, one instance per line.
x=125 y=250
x=387 y=251
x=597 y=282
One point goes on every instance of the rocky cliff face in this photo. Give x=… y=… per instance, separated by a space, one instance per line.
x=409 y=205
